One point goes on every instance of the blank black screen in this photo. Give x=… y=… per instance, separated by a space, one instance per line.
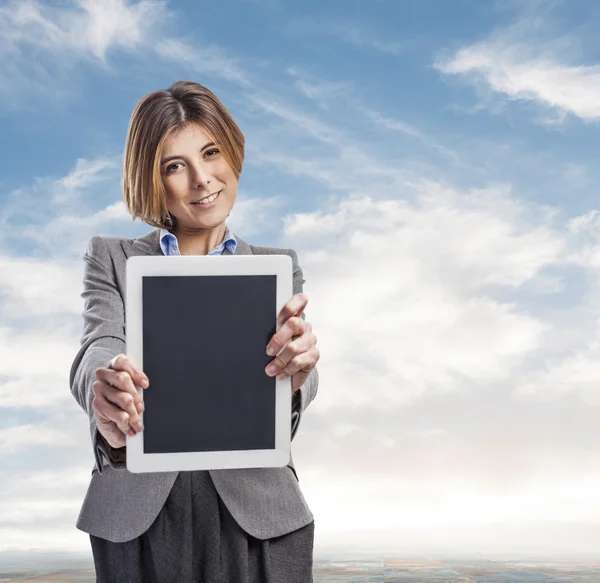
x=204 y=351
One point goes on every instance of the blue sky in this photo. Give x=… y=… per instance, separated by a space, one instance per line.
x=434 y=166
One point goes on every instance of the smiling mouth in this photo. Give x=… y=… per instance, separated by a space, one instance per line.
x=207 y=200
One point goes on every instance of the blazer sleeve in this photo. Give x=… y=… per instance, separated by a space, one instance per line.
x=308 y=391
x=103 y=338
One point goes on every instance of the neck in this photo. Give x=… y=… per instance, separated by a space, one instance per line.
x=200 y=243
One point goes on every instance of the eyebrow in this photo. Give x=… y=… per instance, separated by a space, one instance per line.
x=169 y=158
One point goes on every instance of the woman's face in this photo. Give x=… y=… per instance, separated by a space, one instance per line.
x=192 y=168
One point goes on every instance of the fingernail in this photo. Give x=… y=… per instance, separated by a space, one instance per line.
x=131 y=433
x=270 y=351
x=140 y=426
x=145 y=383
x=270 y=369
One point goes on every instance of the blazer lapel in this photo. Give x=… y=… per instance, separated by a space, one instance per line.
x=149 y=244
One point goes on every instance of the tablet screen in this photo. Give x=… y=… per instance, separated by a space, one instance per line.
x=204 y=351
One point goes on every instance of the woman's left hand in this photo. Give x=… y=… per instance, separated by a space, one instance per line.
x=300 y=355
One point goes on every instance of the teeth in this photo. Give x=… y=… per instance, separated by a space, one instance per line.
x=208 y=199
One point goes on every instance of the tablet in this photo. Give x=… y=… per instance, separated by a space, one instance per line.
x=198 y=326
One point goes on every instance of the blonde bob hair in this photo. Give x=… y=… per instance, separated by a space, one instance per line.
x=156 y=117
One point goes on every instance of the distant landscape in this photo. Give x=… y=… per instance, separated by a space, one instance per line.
x=50 y=567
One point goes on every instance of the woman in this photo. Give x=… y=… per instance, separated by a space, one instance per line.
x=183 y=158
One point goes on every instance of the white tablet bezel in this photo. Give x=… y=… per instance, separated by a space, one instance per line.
x=157 y=265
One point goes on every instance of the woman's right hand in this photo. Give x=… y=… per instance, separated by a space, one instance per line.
x=117 y=403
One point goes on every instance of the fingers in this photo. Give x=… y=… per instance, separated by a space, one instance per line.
x=126 y=402
x=107 y=411
x=294 y=327
x=305 y=362
x=290 y=360
x=109 y=430
x=117 y=398
x=126 y=363
x=116 y=387
x=294 y=307
x=119 y=379
x=127 y=374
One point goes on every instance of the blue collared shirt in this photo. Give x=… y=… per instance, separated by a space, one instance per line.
x=170 y=246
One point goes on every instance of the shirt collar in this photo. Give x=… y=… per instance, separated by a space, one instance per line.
x=170 y=246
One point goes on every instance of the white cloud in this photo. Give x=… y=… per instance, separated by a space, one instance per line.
x=36 y=287
x=107 y=23
x=304 y=123
x=528 y=71
x=461 y=502
x=56 y=215
x=35 y=362
x=321 y=92
x=254 y=215
x=39 y=44
x=47 y=194
x=429 y=297
x=46 y=502
x=334 y=157
x=208 y=59
x=577 y=373
x=587 y=224
x=85 y=173
x=39 y=389
x=90 y=28
x=40 y=303
x=398 y=125
x=17 y=438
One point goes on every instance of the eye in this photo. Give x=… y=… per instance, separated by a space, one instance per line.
x=171 y=167
x=216 y=150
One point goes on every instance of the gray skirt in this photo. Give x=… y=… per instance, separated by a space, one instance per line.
x=194 y=539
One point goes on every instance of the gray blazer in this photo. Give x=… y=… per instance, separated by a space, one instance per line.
x=120 y=505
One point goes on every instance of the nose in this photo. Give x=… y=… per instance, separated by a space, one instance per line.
x=200 y=176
